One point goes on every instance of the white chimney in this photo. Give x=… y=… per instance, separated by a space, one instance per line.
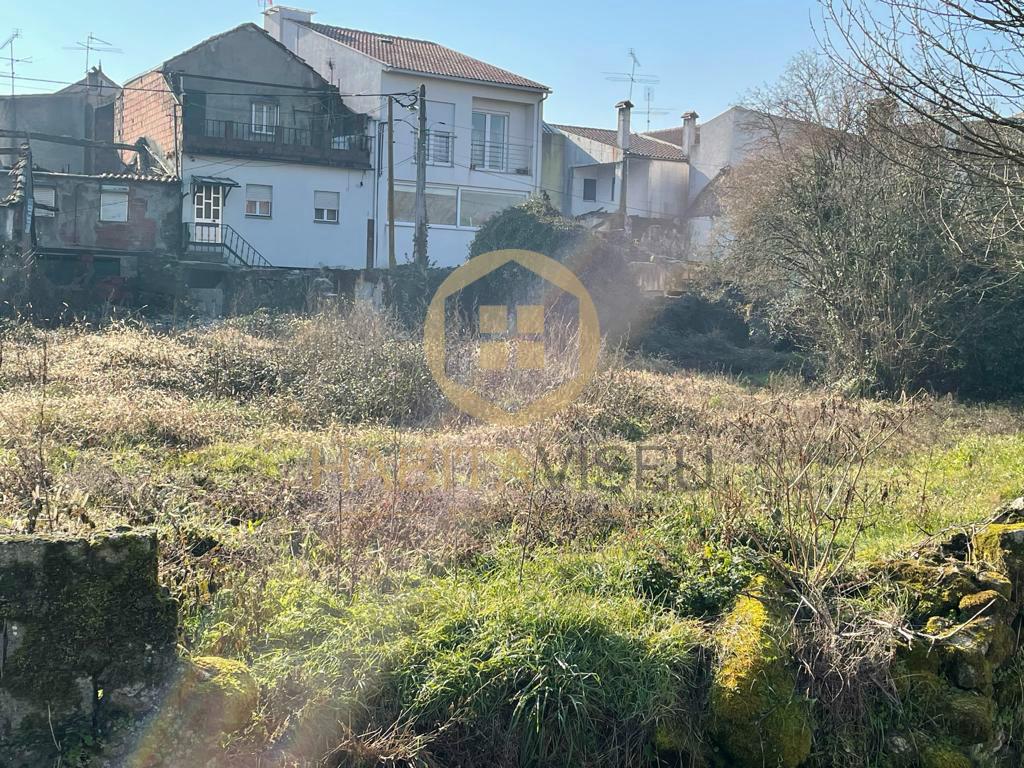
x=281 y=23
x=624 y=107
x=689 y=132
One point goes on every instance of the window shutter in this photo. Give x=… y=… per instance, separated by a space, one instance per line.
x=259 y=192
x=325 y=200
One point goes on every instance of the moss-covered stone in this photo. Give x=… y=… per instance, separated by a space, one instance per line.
x=988 y=602
x=943 y=756
x=759 y=717
x=933 y=589
x=90 y=635
x=1001 y=545
x=211 y=699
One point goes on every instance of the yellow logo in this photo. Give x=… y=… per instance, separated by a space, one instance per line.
x=495 y=355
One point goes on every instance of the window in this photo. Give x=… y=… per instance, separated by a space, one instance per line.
x=589 y=190
x=477 y=206
x=44 y=196
x=325 y=206
x=258 y=200
x=490 y=136
x=439 y=147
x=440 y=122
x=613 y=187
x=113 y=203
x=442 y=203
x=264 y=117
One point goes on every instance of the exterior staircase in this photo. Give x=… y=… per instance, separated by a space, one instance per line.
x=221 y=243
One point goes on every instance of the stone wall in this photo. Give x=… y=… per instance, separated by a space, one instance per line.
x=87 y=638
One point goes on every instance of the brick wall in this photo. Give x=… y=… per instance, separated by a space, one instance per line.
x=148 y=113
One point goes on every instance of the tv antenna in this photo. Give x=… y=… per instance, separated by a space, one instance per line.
x=9 y=44
x=632 y=77
x=650 y=110
x=90 y=45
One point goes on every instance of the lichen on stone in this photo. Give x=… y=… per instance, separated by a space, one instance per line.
x=759 y=717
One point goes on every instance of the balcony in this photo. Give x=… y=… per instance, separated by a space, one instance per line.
x=299 y=145
x=502 y=157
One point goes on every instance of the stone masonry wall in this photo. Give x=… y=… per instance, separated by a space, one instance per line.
x=87 y=637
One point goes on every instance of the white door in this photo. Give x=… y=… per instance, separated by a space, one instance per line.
x=209 y=204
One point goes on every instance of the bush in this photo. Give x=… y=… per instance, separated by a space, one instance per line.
x=485 y=670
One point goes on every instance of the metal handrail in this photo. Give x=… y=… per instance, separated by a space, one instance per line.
x=227 y=240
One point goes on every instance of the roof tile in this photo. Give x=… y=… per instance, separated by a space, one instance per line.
x=422 y=56
x=640 y=145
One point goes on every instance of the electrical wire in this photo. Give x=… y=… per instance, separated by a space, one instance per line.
x=140 y=89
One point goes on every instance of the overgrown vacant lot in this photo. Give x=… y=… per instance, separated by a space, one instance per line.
x=498 y=604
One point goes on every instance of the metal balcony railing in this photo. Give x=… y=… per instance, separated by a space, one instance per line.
x=341 y=143
x=502 y=157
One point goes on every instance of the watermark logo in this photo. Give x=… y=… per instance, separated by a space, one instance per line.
x=512 y=342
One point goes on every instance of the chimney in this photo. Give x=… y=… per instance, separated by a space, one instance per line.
x=689 y=132
x=624 y=107
x=281 y=23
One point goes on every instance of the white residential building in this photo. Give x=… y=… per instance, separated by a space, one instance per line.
x=587 y=165
x=484 y=128
x=713 y=148
x=275 y=168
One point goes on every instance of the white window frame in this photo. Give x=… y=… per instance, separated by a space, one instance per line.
x=589 y=199
x=322 y=215
x=52 y=201
x=258 y=212
x=107 y=210
x=502 y=167
x=266 y=110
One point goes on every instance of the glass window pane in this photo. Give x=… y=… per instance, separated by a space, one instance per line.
x=478 y=206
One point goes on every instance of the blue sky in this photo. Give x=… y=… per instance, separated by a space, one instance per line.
x=707 y=54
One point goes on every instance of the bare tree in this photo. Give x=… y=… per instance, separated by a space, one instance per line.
x=957 y=65
x=879 y=256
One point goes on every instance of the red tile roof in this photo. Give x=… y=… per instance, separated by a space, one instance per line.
x=641 y=145
x=671 y=135
x=423 y=56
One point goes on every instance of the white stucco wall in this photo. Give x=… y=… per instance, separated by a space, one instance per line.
x=354 y=72
x=290 y=237
x=657 y=188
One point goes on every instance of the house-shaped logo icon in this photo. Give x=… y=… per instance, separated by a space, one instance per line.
x=496 y=353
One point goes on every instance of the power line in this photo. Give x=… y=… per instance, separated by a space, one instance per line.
x=141 y=89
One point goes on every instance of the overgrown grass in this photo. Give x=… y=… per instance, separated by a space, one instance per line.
x=549 y=610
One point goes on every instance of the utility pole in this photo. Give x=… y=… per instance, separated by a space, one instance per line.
x=624 y=140
x=420 y=237
x=392 y=261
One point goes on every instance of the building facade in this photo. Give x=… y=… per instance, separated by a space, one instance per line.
x=483 y=128
x=586 y=164
x=274 y=166
x=95 y=231
x=84 y=110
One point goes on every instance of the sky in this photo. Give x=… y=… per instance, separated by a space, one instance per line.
x=706 y=55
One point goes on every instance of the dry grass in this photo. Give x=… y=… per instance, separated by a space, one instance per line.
x=208 y=434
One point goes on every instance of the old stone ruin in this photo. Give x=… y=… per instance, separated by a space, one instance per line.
x=88 y=657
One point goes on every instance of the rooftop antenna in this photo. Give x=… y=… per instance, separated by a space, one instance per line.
x=632 y=77
x=650 y=110
x=9 y=44
x=90 y=45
